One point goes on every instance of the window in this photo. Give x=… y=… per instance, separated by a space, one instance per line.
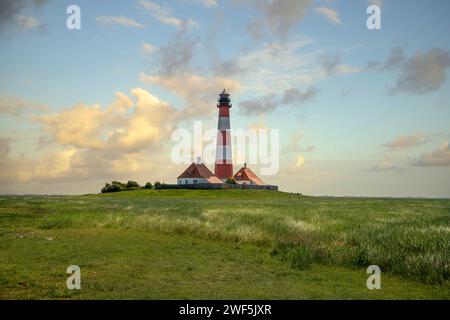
x=194 y=182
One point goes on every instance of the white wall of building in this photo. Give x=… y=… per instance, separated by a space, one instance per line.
x=191 y=180
x=244 y=182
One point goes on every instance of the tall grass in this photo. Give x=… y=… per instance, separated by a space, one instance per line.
x=407 y=237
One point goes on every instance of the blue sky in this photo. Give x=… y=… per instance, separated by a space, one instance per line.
x=362 y=123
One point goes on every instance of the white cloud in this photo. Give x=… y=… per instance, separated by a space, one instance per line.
x=437 y=158
x=148 y=49
x=126 y=139
x=300 y=162
x=270 y=102
x=198 y=92
x=54 y=165
x=122 y=126
x=176 y=56
x=15 y=106
x=79 y=126
x=386 y=166
x=296 y=96
x=406 y=141
x=277 y=67
x=27 y=22
x=330 y=14
x=260 y=106
x=163 y=15
x=294 y=145
x=10 y=13
x=207 y=3
x=121 y=21
x=423 y=72
x=276 y=16
x=292 y=167
x=376 y=2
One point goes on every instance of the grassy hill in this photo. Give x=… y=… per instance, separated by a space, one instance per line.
x=223 y=244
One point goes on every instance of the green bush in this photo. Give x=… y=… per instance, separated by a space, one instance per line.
x=148 y=185
x=106 y=188
x=131 y=185
x=231 y=181
x=117 y=186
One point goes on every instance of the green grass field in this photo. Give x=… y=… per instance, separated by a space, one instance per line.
x=224 y=244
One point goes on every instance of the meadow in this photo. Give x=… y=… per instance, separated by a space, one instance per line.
x=252 y=244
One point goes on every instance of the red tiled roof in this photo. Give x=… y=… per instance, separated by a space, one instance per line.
x=245 y=174
x=197 y=170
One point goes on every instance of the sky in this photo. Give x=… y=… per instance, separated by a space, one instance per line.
x=360 y=112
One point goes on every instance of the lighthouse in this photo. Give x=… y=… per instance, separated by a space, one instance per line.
x=198 y=176
x=224 y=165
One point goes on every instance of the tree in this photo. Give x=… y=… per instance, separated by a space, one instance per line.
x=231 y=181
x=118 y=186
x=157 y=184
x=115 y=186
x=106 y=188
x=131 y=185
x=148 y=185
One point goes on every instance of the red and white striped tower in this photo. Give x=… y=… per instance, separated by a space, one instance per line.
x=224 y=164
